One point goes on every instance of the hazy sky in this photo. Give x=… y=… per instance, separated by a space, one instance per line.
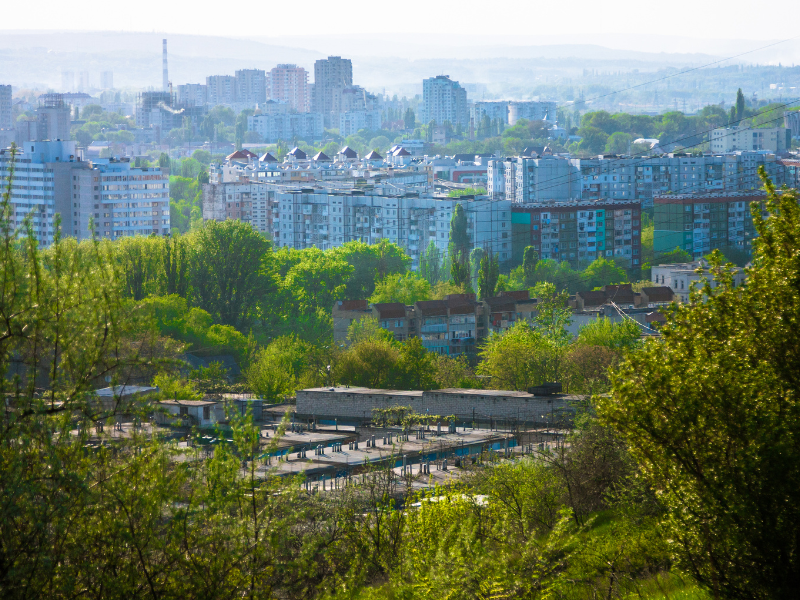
x=729 y=19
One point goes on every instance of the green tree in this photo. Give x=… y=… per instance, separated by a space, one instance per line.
x=487 y=277
x=459 y=248
x=409 y=118
x=601 y=272
x=317 y=281
x=371 y=263
x=416 y=367
x=430 y=264
x=475 y=258
x=164 y=161
x=529 y=260
x=711 y=414
x=617 y=336
x=229 y=270
x=618 y=143
x=740 y=105
x=277 y=369
x=408 y=289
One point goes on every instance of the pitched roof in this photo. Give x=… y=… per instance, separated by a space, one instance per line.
x=622 y=293
x=297 y=153
x=593 y=298
x=432 y=307
x=501 y=303
x=240 y=155
x=390 y=310
x=268 y=158
x=348 y=152
x=517 y=295
x=351 y=305
x=321 y=156
x=402 y=152
x=662 y=293
x=373 y=156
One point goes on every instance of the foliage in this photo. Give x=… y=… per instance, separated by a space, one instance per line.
x=466 y=192
x=487 y=276
x=370 y=263
x=408 y=289
x=277 y=369
x=623 y=335
x=711 y=414
x=431 y=265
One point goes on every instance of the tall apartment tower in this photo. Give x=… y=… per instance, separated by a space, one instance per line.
x=53 y=118
x=221 y=89
x=107 y=80
x=444 y=100
x=6 y=122
x=67 y=81
x=289 y=83
x=83 y=81
x=165 y=74
x=251 y=86
x=331 y=76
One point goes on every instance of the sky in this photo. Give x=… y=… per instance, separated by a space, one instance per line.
x=509 y=21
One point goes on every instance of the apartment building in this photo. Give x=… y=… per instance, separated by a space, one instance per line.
x=352 y=121
x=532 y=111
x=50 y=178
x=444 y=100
x=578 y=231
x=6 y=119
x=700 y=223
x=331 y=77
x=245 y=201
x=791 y=120
x=679 y=277
x=287 y=126
x=251 y=86
x=496 y=110
x=193 y=94
x=52 y=118
x=289 y=84
x=747 y=138
x=221 y=89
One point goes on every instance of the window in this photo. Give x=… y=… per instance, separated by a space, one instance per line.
x=206 y=413
x=184 y=411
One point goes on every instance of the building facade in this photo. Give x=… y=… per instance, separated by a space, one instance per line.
x=578 y=231
x=221 y=89
x=444 y=100
x=331 y=76
x=193 y=94
x=251 y=86
x=532 y=111
x=287 y=127
x=750 y=139
x=53 y=118
x=6 y=119
x=289 y=84
x=700 y=223
x=352 y=121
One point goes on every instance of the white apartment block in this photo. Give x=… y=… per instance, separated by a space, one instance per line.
x=331 y=76
x=495 y=110
x=289 y=84
x=681 y=276
x=251 y=86
x=444 y=100
x=351 y=121
x=107 y=80
x=532 y=111
x=312 y=217
x=50 y=179
x=193 y=94
x=287 y=127
x=6 y=120
x=221 y=89
x=731 y=139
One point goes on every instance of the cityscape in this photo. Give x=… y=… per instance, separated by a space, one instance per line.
x=497 y=302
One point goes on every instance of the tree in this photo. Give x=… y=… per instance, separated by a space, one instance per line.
x=459 y=248
x=408 y=289
x=475 y=264
x=317 y=280
x=229 y=270
x=430 y=264
x=487 y=278
x=711 y=414
x=529 y=259
x=409 y=118
x=369 y=363
x=163 y=160
x=601 y=272
x=371 y=263
x=624 y=335
x=594 y=140
x=416 y=367
x=277 y=369
x=740 y=105
x=618 y=143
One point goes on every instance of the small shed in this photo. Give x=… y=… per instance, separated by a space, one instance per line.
x=187 y=412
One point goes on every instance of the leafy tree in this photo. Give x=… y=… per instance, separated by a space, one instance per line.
x=594 y=140
x=408 y=289
x=430 y=264
x=487 y=277
x=370 y=263
x=459 y=248
x=409 y=118
x=317 y=280
x=475 y=264
x=618 y=143
x=228 y=271
x=164 y=161
x=529 y=260
x=369 y=363
x=416 y=367
x=277 y=369
x=740 y=105
x=602 y=272
x=623 y=335
x=711 y=414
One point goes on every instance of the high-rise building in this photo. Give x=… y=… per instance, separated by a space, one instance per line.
x=121 y=200
x=251 y=86
x=289 y=83
x=221 y=89
x=746 y=138
x=444 y=100
x=6 y=120
x=154 y=110
x=532 y=111
x=107 y=80
x=53 y=118
x=287 y=127
x=331 y=77
x=67 y=81
x=192 y=94
x=83 y=82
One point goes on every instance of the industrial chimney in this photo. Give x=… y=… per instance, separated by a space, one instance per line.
x=166 y=76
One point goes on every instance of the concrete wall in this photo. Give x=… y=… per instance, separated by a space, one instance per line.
x=354 y=404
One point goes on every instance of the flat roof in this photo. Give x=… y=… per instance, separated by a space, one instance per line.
x=418 y=393
x=188 y=402
x=125 y=390
x=364 y=390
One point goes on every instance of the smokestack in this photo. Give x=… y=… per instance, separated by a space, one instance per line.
x=166 y=76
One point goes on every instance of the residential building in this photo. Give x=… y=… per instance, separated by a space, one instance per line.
x=289 y=84
x=444 y=100
x=578 y=231
x=287 y=127
x=496 y=110
x=680 y=276
x=352 y=121
x=251 y=86
x=331 y=77
x=700 y=223
x=221 y=89
x=53 y=118
x=543 y=179
x=107 y=80
x=51 y=178
x=193 y=94
x=245 y=201
x=155 y=110
x=83 y=85
x=747 y=138
x=791 y=120
x=67 y=81
x=532 y=111
x=6 y=119
x=345 y=312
